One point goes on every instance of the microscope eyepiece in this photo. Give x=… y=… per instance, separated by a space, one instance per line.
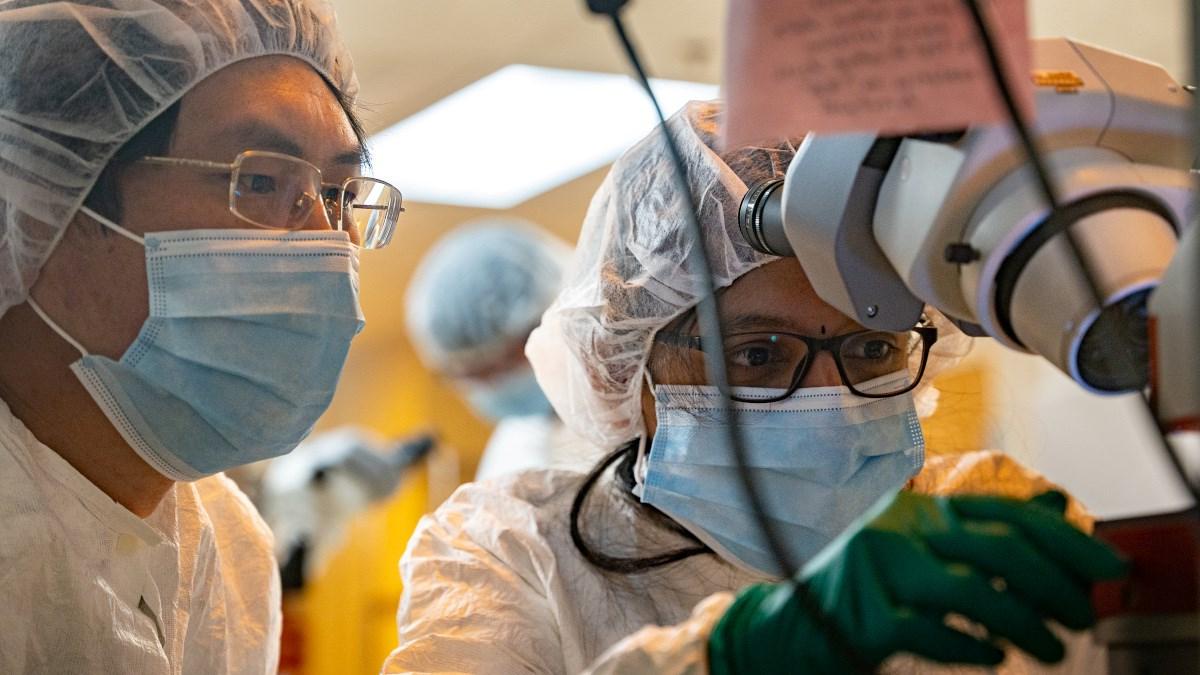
x=760 y=218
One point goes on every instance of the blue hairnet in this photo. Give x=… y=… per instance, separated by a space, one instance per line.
x=480 y=288
x=79 y=79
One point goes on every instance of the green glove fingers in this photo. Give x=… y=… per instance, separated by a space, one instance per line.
x=1052 y=499
x=930 y=585
x=999 y=550
x=964 y=591
x=929 y=637
x=1076 y=552
x=886 y=585
x=1044 y=561
x=768 y=630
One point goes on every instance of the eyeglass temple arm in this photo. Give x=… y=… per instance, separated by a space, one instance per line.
x=680 y=340
x=371 y=207
x=929 y=332
x=179 y=161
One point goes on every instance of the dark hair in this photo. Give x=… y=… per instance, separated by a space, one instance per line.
x=155 y=139
x=349 y=107
x=627 y=454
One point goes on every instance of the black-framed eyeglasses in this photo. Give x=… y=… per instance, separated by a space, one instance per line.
x=778 y=360
x=277 y=191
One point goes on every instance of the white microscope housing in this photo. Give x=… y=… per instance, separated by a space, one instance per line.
x=886 y=226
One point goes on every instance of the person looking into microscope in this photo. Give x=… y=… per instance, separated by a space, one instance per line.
x=660 y=565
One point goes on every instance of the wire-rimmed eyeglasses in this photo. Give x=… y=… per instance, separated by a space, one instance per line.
x=277 y=191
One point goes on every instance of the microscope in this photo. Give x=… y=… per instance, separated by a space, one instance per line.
x=886 y=226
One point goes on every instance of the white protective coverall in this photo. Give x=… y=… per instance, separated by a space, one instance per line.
x=89 y=587
x=533 y=442
x=494 y=585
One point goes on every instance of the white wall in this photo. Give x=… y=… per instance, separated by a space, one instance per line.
x=1099 y=448
x=1155 y=30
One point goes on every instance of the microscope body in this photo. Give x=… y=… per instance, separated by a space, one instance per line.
x=957 y=220
x=1106 y=287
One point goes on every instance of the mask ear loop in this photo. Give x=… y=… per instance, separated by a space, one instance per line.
x=641 y=465
x=37 y=309
x=113 y=226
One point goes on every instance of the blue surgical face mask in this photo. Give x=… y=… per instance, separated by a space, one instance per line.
x=514 y=394
x=819 y=459
x=246 y=338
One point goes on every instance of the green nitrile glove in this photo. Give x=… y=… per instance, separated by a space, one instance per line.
x=886 y=584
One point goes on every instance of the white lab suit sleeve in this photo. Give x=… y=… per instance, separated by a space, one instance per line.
x=473 y=601
x=681 y=649
x=988 y=472
x=250 y=584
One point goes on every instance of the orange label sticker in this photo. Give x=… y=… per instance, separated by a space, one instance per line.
x=1063 y=81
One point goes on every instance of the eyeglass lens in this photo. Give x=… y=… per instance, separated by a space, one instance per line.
x=274 y=192
x=371 y=208
x=280 y=192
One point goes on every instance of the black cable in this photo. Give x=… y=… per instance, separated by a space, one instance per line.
x=712 y=340
x=714 y=357
x=1032 y=153
x=621 y=565
x=1195 y=36
x=1051 y=194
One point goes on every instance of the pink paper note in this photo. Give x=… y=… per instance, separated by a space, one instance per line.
x=896 y=66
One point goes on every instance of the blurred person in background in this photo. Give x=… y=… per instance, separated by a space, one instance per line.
x=179 y=236
x=473 y=300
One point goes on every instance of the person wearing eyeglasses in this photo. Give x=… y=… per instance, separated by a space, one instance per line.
x=181 y=215
x=656 y=562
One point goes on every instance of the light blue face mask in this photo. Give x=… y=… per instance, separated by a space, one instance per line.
x=819 y=459
x=246 y=338
x=514 y=394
